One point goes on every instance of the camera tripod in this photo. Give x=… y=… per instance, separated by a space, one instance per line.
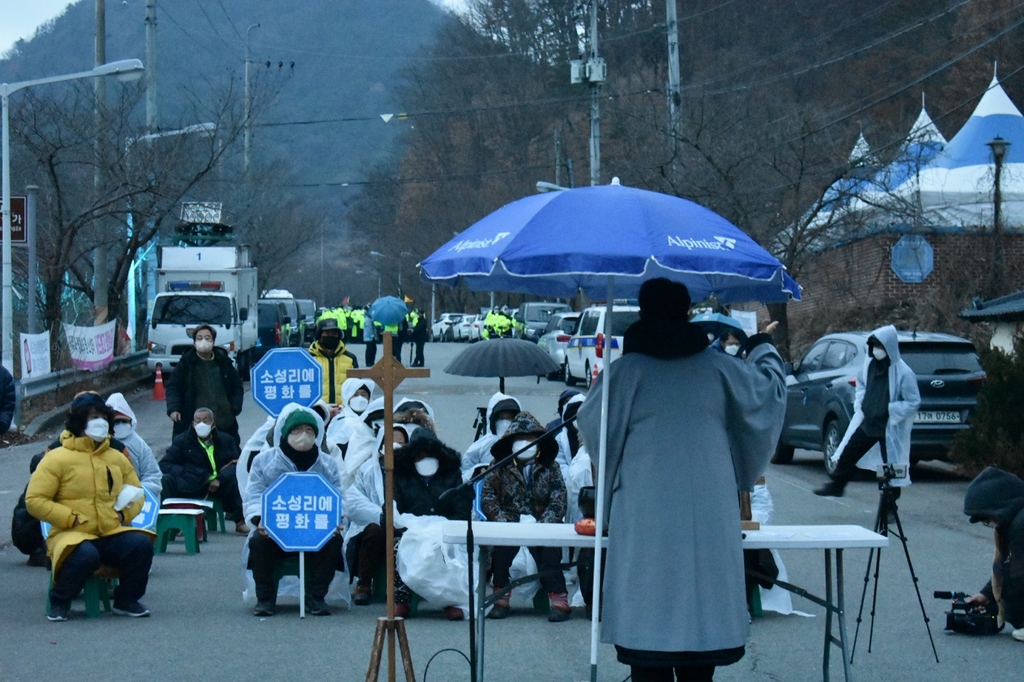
x=887 y=509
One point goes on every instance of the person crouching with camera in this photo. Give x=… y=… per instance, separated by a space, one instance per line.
x=996 y=498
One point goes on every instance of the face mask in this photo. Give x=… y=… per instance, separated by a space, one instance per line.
x=330 y=342
x=879 y=353
x=97 y=429
x=731 y=350
x=711 y=337
x=427 y=466
x=358 y=403
x=501 y=426
x=527 y=454
x=203 y=429
x=122 y=430
x=301 y=441
x=204 y=346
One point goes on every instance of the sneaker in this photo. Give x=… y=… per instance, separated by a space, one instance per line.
x=1017 y=634
x=57 y=613
x=317 y=607
x=132 y=609
x=453 y=613
x=263 y=609
x=560 y=609
x=363 y=594
x=831 y=489
x=401 y=610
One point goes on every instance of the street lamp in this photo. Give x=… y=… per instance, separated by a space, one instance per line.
x=124 y=70
x=998 y=147
x=378 y=254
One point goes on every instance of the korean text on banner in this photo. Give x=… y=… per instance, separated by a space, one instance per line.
x=92 y=348
x=35 y=354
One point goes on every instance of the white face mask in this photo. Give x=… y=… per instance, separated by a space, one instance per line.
x=711 y=337
x=301 y=441
x=501 y=426
x=427 y=466
x=122 y=430
x=204 y=346
x=525 y=455
x=879 y=353
x=358 y=403
x=203 y=429
x=731 y=350
x=97 y=429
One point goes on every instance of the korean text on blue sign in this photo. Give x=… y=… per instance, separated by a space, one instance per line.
x=146 y=519
x=286 y=375
x=301 y=511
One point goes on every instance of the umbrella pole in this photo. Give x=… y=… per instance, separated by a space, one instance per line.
x=501 y=384
x=595 y=619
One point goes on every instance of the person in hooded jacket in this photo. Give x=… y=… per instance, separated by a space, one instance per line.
x=501 y=410
x=531 y=485
x=996 y=499
x=363 y=444
x=89 y=493
x=139 y=452
x=355 y=394
x=296 y=437
x=334 y=358
x=201 y=464
x=364 y=504
x=568 y=438
x=205 y=377
x=886 y=400
x=674 y=601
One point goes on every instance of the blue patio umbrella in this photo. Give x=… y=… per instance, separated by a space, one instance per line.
x=606 y=241
x=388 y=310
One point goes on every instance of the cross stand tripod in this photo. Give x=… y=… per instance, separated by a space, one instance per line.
x=886 y=514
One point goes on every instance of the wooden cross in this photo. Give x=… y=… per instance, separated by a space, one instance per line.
x=388 y=373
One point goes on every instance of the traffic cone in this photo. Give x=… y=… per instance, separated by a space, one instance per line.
x=158 y=384
x=593 y=374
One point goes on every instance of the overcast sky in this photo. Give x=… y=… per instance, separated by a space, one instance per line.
x=20 y=18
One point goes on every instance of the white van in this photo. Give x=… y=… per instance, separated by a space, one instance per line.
x=585 y=354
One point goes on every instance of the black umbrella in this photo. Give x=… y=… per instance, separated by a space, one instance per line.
x=502 y=358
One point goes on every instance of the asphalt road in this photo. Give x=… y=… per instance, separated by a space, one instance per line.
x=201 y=630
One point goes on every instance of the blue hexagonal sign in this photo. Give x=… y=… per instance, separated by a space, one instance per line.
x=301 y=511
x=146 y=519
x=286 y=375
x=913 y=258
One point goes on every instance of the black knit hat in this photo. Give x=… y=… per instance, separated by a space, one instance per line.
x=525 y=424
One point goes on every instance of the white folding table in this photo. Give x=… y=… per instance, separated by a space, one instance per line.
x=827 y=538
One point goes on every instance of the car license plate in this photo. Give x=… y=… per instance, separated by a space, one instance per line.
x=937 y=418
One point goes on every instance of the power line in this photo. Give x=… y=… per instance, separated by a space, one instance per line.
x=421 y=180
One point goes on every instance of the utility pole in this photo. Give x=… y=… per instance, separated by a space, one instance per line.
x=152 y=118
x=596 y=75
x=558 y=158
x=31 y=225
x=674 y=99
x=248 y=105
x=99 y=257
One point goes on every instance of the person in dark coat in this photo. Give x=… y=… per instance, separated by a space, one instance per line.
x=531 y=486
x=996 y=498
x=424 y=469
x=205 y=377
x=7 y=400
x=200 y=464
x=420 y=334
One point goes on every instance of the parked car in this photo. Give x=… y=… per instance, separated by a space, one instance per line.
x=823 y=383
x=443 y=329
x=272 y=320
x=307 y=317
x=464 y=328
x=555 y=337
x=585 y=351
x=532 y=318
x=476 y=329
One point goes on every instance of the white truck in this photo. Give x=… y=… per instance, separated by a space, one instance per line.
x=215 y=285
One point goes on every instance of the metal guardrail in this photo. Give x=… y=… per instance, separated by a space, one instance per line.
x=28 y=388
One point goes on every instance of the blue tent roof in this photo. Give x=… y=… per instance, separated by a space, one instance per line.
x=994 y=115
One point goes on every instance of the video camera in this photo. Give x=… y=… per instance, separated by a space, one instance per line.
x=970 y=619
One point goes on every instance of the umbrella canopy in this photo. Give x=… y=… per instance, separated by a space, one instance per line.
x=388 y=310
x=502 y=358
x=718 y=324
x=558 y=243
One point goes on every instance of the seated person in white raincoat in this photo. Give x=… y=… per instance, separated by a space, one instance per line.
x=501 y=410
x=139 y=453
x=362 y=444
x=364 y=517
x=355 y=395
x=296 y=436
x=568 y=438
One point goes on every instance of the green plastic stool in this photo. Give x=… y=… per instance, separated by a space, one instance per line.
x=215 y=519
x=96 y=592
x=177 y=520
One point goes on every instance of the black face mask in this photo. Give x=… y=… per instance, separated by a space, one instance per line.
x=330 y=342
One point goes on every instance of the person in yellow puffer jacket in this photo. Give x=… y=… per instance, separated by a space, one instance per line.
x=335 y=360
x=89 y=493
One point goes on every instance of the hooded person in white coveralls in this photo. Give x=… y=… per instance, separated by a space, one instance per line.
x=886 y=401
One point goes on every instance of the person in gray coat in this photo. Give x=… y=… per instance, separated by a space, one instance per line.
x=671 y=493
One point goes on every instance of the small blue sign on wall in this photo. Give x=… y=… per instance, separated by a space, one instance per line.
x=913 y=259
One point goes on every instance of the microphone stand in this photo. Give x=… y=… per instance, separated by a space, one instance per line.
x=471 y=486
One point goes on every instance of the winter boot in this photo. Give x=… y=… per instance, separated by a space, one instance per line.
x=560 y=609
x=833 y=488
x=500 y=609
x=363 y=594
